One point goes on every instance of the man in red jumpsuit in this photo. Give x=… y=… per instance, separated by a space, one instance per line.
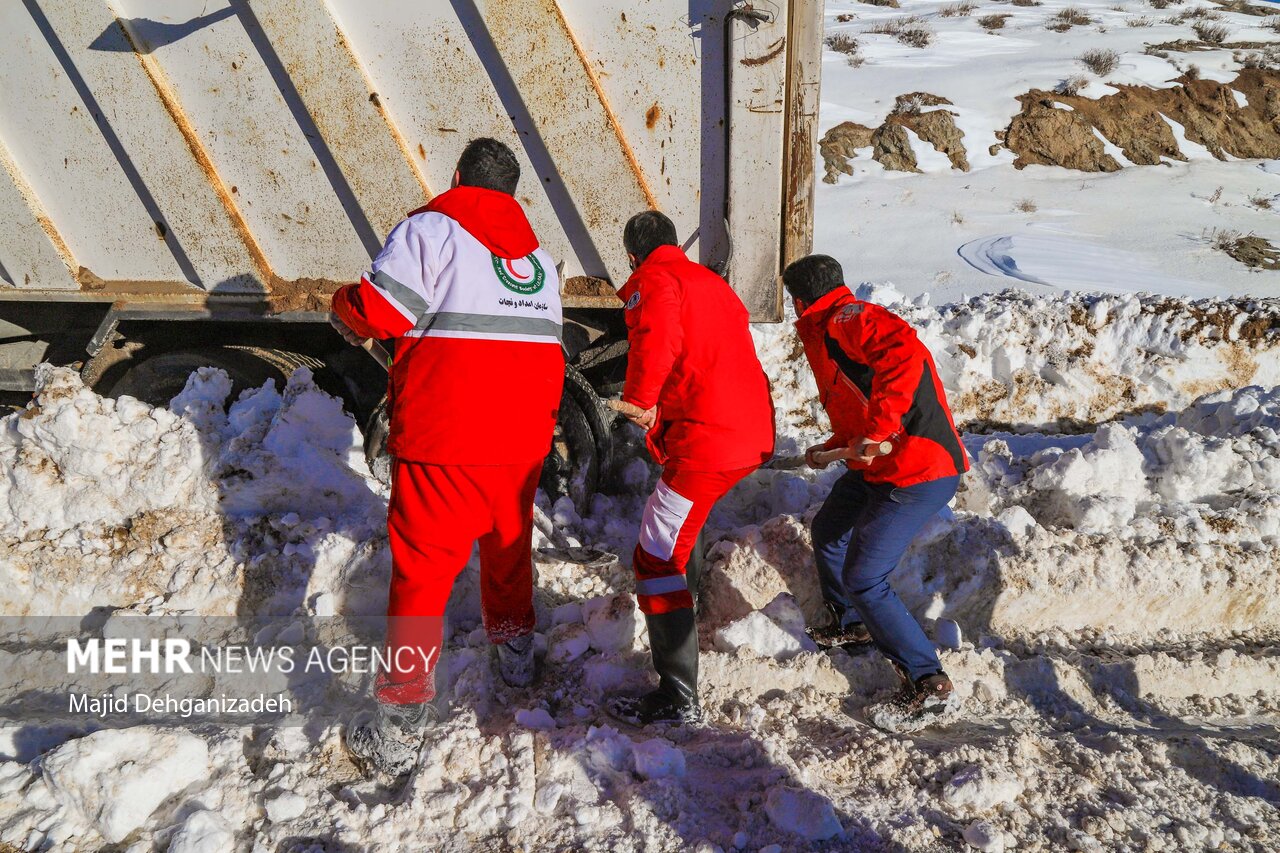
x=693 y=372
x=474 y=306
x=878 y=384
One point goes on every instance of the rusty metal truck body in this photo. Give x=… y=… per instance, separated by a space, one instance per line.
x=181 y=175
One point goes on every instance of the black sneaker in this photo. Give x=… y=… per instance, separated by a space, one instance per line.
x=516 y=664
x=832 y=636
x=653 y=708
x=388 y=738
x=915 y=705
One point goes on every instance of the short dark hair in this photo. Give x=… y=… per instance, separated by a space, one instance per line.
x=812 y=277
x=647 y=231
x=489 y=164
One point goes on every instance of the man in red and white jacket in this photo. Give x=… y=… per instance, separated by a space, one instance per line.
x=878 y=384
x=692 y=371
x=474 y=306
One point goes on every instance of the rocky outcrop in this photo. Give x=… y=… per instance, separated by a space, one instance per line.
x=892 y=148
x=1213 y=117
x=938 y=128
x=890 y=144
x=1050 y=136
x=1058 y=130
x=1133 y=123
x=1237 y=119
x=839 y=145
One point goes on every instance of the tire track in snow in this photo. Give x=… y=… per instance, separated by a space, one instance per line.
x=1055 y=261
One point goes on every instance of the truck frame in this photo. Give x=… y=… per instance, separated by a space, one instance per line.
x=186 y=182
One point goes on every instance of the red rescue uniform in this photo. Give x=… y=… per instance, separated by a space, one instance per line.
x=474 y=305
x=692 y=356
x=877 y=381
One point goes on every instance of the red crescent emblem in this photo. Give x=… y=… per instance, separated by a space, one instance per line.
x=512 y=269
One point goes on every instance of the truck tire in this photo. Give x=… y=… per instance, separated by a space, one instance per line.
x=158 y=379
x=581 y=448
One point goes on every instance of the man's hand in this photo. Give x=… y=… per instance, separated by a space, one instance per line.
x=866 y=451
x=346 y=331
x=643 y=418
x=858 y=454
x=810 y=458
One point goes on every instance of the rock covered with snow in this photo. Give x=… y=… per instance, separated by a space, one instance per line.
x=658 y=759
x=112 y=780
x=802 y=812
x=777 y=631
x=612 y=622
x=203 y=831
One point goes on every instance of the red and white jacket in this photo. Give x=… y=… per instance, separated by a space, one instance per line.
x=692 y=355
x=474 y=304
x=878 y=381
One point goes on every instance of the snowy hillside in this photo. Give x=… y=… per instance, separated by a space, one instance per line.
x=1105 y=587
x=999 y=83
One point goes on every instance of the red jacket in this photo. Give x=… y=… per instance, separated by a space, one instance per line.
x=475 y=307
x=878 y=381
x=692 y=355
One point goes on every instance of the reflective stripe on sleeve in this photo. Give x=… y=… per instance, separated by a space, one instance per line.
x=412 y=302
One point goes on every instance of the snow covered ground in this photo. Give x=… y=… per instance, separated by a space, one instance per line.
x=1105 y=588
x=1108 y=601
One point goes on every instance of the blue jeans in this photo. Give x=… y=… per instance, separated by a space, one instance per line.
x=859 y=536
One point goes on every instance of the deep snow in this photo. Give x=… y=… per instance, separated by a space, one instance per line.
x=1104 y=588
x=1113 y=592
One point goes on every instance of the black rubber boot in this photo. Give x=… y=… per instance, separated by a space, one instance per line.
x=516 y=663
x=673 y=639
x=693 y=570
x=387 y=738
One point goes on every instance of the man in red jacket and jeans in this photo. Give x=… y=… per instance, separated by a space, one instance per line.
x=692 y=371
x=878 y=384
x=474 y=306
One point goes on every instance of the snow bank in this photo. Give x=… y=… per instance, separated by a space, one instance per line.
x=1036 y=362
x=205 y=507
x=76 y=459
x=1176 y=516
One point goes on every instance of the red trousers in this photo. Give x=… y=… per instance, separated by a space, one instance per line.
x=673 y=517
x=437 y=513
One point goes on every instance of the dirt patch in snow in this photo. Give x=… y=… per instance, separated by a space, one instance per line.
x=1249 y=249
